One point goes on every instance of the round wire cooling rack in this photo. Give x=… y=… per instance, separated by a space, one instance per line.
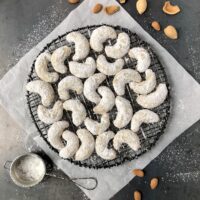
x=148 y=134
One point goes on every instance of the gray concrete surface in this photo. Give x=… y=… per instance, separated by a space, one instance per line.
x=24 y=23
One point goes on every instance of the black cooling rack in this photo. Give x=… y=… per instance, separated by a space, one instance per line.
x=148 y=134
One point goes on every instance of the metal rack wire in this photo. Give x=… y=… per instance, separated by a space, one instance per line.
x=148 y=134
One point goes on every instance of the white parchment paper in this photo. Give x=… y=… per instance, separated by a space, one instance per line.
x=185 y=92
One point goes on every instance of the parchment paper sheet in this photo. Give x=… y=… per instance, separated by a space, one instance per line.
x=185 y=92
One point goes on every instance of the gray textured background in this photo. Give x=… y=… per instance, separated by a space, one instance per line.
x=23 y=23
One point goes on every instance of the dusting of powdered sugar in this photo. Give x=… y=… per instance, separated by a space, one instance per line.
x=48 y=20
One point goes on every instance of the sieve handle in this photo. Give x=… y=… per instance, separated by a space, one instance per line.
x=7 y=164
x=92 y=179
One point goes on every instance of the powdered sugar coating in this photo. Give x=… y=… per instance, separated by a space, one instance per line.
x=100 y=35
x=58 y=58
x=41 y=68
x=44 y=89
x=101 y=146
x=55 y=132
x=123 y=77
x=146 y=86
x=51 y=115
x=120 y=48
x=95 y=127
x=155 y=98
x=107 y=101
x=126 y=136
x=142 y=56
x=83 y=70
x=125 y=112
x=77 y=109
x=72 y=144
x=82 y=46
x=90 y=86
x=143 y=116
x=87 y=145
x=69 y=83
x=108 y=68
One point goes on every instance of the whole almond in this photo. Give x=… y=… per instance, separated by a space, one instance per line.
x=137 y=195
x=141 y=6
x=73 y=1
x=154 y=183
x=110 y=10
x=138 y=172
x=170 y=32
x=97 y=8
x=156 y=25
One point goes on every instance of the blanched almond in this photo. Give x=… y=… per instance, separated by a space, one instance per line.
x=154 y=183
x=141 y=6
x=170 y=32
x=156 y=25
x=122 y=1
x=170 y=9
x=138 y=172
x=97 y=8
x=73 y=1
x=137 y=195
x=110 y=10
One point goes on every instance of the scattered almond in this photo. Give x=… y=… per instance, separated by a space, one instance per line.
x=170 y=32
x=97 y=8
x=170 y=9
x=137 y=195
x=138 y=172
x=110 y=10
x=154 y=183
x=73 y=1
x=156 y=25
x=122 y=1
x=141 y=6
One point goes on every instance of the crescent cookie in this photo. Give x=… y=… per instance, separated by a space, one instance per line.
x=72 y=144
x=128 y=137
x=120 y=48
x=153 y=99
x=123 y=77
x=44 y=89
x=146 y=86
x=49 y=116
x=108 y=68
x=142 y=56
x=100 y=35
x=82 y=46
x=107 y=101
x=55 y=133
x=125 y=112
x=97 y=128
x=90 y=86
x=41 y=68
x=77 y=109
x=83 y=70
x=58 y=59
x=69 y=83
x=143 y=116
x=102 y=146
x=87 y=145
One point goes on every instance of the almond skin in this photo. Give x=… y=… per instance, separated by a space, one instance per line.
x=110 y=10
x=170 y=32
x=138 y=172
x=122 y=1
x=170 y=9
x=97 y=8
x=73 y=1
x=137 y=195
x=155 y=25
x=154 y=183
